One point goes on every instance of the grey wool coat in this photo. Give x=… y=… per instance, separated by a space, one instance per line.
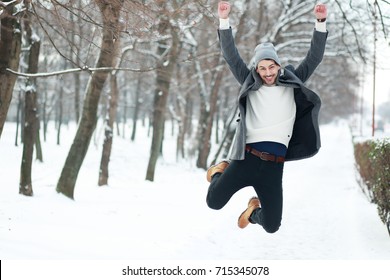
x=305 y=141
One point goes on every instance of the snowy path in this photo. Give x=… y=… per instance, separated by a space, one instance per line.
x=326 y=216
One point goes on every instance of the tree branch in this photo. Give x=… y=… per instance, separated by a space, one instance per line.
x=74 y=70
x=353 y=31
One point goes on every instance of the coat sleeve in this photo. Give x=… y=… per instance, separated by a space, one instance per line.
x=231 y=55
x=313 y=57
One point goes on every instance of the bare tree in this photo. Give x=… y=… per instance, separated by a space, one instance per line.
x=168 y=54
x=110 y=12
x=109 y=122
x=31 y=109
x=108 y=131
x=137 y=105
x=10 y=46
x=182 y=109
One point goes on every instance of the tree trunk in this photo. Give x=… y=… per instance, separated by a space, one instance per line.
x=217 y=116
x=75 y=54
x=206 y=125
x=163 y=80
x=110 y=120
x=137 y=107
x=18 y=117
x=10 y=47
x=181 y=108
x=77 y=96
x=60 y=112
x=46 y=107
x=25 y=186
x=110 y=11
x=109 y=132
x=44 y=118
x=31 y=111
x=124 y=114
x=38 y=145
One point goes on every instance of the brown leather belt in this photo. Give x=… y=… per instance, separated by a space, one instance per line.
x=263 y=155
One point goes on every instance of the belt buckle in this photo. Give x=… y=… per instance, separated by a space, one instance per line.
x=263 y=156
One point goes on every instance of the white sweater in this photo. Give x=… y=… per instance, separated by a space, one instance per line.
x=270 y=115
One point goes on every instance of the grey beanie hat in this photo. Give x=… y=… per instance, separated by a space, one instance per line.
x=265 y=51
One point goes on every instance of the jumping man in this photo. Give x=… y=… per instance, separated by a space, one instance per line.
x=278 y=122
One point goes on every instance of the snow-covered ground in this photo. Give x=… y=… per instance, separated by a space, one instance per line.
x=326 y=216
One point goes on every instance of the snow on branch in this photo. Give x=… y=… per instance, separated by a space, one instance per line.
x=289 y=15
x=74 y=70
x=10 y=3
x=8 y=6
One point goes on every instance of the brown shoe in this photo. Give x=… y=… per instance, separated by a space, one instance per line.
x=217 y=168
x=243 y=220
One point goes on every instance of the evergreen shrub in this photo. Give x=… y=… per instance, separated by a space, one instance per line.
x=373 y=163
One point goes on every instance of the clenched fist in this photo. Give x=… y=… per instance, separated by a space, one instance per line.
x=320 y=11
x=223 y=9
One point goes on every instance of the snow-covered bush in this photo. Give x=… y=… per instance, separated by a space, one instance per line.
x=373 y=163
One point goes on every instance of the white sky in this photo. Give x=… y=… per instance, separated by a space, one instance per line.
x=382 y=92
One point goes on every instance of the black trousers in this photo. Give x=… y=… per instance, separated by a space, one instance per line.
x=264 y=176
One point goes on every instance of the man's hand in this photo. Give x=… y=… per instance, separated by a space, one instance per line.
x=320 y=11
x=223 y=9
